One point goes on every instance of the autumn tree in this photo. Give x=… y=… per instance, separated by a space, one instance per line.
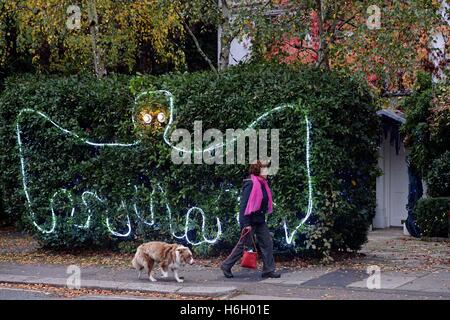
x=219 y=13
x=109 y=36
x=388 y=40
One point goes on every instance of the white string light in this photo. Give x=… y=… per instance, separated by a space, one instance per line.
x=219 y=228
x=122 y=205
x=25 y=189
x=229 y=141
x=83 y=199
x=289 y=239
x=73 y=134
x=186 y=227
x=69 y=195
x=171 y=114
x=152 y=213
x=169 y=212
x=24 y=175
x=86 y=225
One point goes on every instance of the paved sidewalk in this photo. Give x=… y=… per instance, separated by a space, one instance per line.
x=419 y=273
x=311 y=283
x=112 y=279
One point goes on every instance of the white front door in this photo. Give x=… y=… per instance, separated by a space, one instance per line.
x=398 y=187
x=392 y=187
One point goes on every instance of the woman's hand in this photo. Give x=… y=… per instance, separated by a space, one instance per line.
x=248 y=228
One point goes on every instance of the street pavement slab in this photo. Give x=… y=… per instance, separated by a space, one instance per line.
x=433 y=282
x=20 y=294
x=150 y=287
x=338 y=278
x=297 y=277
x=208 y=291
x=386 y=282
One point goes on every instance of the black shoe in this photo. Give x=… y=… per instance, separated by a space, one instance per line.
x=271 y=274
x=226 y=272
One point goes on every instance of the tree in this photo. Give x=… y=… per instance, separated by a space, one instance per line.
x=388 y=40
x=111 y=36
x=226 y=15
x=100 y=70
x=209 y=12
x=187 y=13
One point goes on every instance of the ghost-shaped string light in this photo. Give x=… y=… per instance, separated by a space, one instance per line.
x=153 y=113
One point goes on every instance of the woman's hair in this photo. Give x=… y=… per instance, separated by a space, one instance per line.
x=255 y=168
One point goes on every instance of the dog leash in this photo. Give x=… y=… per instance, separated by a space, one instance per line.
x=240 y=239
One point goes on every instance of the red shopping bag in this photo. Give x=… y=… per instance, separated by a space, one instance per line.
x=249 y=260
x=249 y=257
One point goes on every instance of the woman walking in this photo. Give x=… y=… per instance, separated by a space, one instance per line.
x=256 y=201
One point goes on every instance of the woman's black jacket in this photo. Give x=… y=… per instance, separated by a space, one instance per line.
x=255 y=217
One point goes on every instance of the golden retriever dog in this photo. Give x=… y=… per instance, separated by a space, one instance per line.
x=168 y=256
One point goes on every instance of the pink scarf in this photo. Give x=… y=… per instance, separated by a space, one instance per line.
x=256 y=195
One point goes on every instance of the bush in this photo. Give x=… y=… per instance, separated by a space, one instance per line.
x=344 y=131
x=427 y=133
x=431 y=216
x=438 y=176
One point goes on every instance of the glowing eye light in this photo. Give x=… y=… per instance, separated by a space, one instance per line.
x=147 y=118
x=161 y=117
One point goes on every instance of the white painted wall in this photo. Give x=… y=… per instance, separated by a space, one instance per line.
x=240 y=50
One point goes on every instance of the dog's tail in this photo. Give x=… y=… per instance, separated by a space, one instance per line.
x=135 y=262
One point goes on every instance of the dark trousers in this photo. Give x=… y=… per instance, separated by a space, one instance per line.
x=264 y=239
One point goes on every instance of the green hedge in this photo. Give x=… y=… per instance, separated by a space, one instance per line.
x=344 y=131
x=427 y=133
x=431 y=216
x=438 y=176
